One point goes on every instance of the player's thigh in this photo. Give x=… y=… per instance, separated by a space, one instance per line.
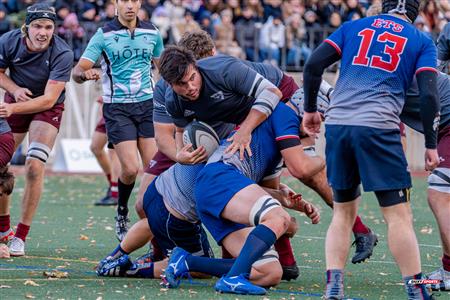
x=381 y=161
x=18 y=139
x=98 y=141
x=120 y=125
x=43 y=133
x=147 y=149
x=239 y=207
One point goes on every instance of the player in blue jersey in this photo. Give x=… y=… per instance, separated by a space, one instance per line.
x=39 y=64
x=127 y=46
x=237 y=212
x=363 y=142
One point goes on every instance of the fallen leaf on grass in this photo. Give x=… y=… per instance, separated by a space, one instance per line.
x=31 y=282
x=383 y=274
x=5 y=286
x=29 y=296
x=80 y=286
x=55 y=274
x=83 y=237
x=109 y=228
x=426 y=230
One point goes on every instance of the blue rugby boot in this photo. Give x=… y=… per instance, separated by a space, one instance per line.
x=238 y=285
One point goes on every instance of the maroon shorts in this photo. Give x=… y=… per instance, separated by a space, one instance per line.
x=21 y=123
x=6 y=148
x=159 y=164
x=288 y=87
x=443 y=147
x=101 y=127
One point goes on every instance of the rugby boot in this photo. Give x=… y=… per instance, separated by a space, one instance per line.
x=365 y=242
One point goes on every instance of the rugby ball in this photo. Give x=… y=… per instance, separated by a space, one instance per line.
x=199 y=134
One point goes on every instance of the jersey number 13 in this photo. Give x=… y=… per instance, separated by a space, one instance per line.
x=398 y=46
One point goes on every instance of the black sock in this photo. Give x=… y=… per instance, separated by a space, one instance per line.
x=124 y=194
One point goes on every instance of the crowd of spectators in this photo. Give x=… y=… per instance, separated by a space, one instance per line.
x=280 y=32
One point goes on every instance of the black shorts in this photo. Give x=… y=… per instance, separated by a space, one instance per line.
x=128 y=121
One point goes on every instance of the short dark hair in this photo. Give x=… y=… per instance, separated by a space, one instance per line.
x=6 y=181
x=174 y=63
x=199 y=42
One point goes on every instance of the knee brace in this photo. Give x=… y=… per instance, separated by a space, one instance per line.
x=268 y=256
x=439 y=180
x=38 y=151
x=262 y=206
x=393 y=197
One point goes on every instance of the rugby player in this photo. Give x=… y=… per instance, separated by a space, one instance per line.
x=237 y=212
x=39 y=64
x=128 y=46
x=362 y=129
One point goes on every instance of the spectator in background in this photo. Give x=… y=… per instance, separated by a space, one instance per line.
x=186 y=24
x=89 y=18
x=72 y=33
x=225 y=40
x=62 y=12
x=316 y=7
x=175 y=10
x=75 y=6
x=272 y=39
x=313 y=29
x=235 y=8
x=430 y=15
x=150 y=6
x=247 y=33
x=143 y=15
x=109 y=12
x=335 y=21
x=206 y=24
x=295 y=40
x=291 y=7
x=4 y=23
x=331 y=7
x=257 y=8
x=272 y=8
x=354 y=10
x=161 y=19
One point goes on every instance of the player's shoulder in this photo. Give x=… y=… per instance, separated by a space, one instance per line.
x=218 y=61
x=11 y=37
x=147 y=25
x=61 y=45
x=283 y=111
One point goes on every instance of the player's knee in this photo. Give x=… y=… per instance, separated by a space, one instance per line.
x=38 y=152
x=129 y=172
x=139 y=207
x=268 y=269
x=34 y=169
x=96 y=149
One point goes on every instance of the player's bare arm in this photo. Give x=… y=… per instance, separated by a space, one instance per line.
x=164 y=139
x=19 y=93
x=83 y=71
x=185 y=153
x=240 y=141
x=53 y=90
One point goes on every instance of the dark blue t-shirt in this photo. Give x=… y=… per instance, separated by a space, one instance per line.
x=227 y=93
x=32 y=70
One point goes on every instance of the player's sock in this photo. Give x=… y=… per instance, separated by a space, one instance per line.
x=335 y=284
x=114 y=189
x=446 y=262
x=212 y=266
x=124 y=194
x=285 y=251
x=118 y=252
x=22 y=231
x=157 y=251
x=258 y=242
x=415 y=291
x=5 y=223
x=359 y=227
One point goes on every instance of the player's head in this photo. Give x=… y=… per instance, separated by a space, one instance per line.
x=408 y=8
x=39 y=26
x=127 y=10
x=199 y=42
x=178 y=68
x=6 y=181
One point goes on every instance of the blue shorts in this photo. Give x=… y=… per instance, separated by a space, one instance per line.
x=171 y=232
x=128 y=121
x=216 y=184
x=369 y=155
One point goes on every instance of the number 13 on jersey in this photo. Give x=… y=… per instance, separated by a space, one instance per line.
x=393 y=48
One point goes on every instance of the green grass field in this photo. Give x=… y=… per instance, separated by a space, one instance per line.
x=71 y=235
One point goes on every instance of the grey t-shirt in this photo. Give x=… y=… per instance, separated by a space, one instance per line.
x=443 y=44
x=4 y=127
x=33 y=70
x=227 y=94
x=411 y=110
x=176 y=186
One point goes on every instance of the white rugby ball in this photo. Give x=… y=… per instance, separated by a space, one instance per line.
x=199 y=134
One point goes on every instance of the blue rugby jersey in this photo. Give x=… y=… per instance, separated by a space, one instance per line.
x=380 y=56
x=126 y=60
x=280 y=131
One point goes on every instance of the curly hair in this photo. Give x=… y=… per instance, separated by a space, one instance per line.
x=174 y=63
x=199 y=42
x=6 y=181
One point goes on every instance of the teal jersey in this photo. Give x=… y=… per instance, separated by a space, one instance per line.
x=126 y=60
